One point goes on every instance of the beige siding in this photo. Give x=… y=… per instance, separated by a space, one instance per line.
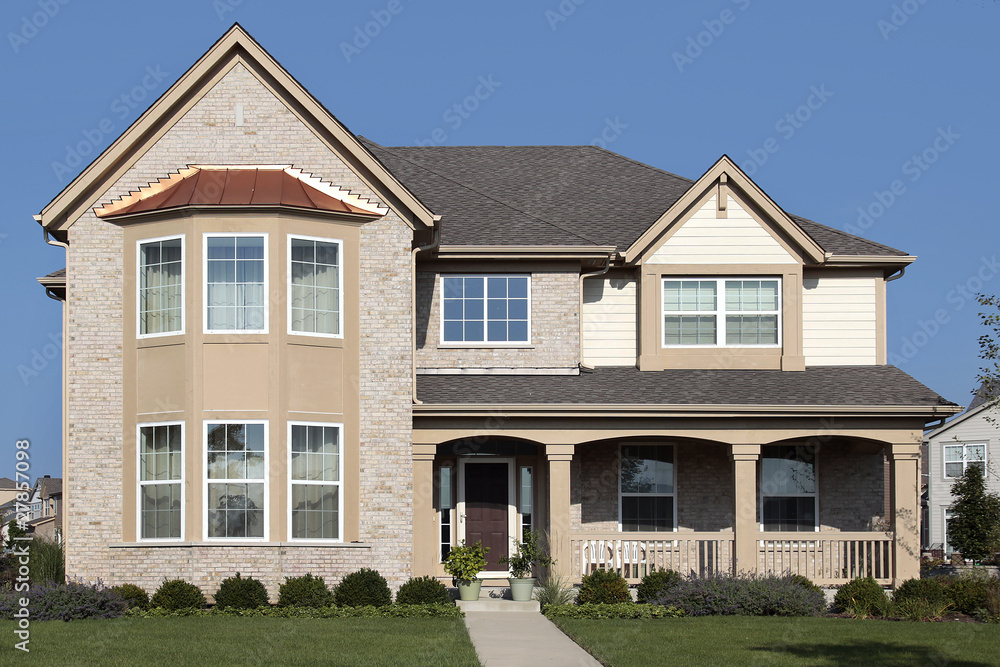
x=609 y=321
x=707 y=239
x=839 y=321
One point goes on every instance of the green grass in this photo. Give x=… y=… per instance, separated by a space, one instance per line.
x=243 y=641
x=737 y=640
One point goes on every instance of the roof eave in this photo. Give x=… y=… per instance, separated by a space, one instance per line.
x=720 y=410
x=142 y=216
x=528 y=252
x=869 y=260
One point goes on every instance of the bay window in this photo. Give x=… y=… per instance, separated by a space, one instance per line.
x=315 y=471
x=314 y=286
x=161 y=466
x=235 y=283
x=161 y=286
x=235 y=479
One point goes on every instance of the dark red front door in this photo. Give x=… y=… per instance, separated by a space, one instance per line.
x=486 y=509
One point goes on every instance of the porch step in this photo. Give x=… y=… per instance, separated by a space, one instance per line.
x=497 y=604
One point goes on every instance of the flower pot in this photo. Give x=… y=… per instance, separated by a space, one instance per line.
x=521 y=589
x=468 y=590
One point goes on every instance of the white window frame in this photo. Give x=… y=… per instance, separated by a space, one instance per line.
x=720 y=311
x=205 y=480
x=340 y=285
x=965 y=456
x=530 y=524
x=446 y=508
x=814 y=494
x=204 y=283
x=339 y=483
x=138 y=287
x=949 y=513
x=621 y=525
x=483 y=343
x=140 y=483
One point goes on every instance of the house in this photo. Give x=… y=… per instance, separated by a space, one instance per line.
x=291 y=349
x=8 y=490
x=969 y=439
x=45 y=502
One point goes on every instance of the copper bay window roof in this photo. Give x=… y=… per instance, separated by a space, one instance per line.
x=249 y=185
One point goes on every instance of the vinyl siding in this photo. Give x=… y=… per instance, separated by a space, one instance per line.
x=839 y=321
x=609 y=321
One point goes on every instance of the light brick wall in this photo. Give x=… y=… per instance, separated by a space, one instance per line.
x=555 y=327
x=94 y=490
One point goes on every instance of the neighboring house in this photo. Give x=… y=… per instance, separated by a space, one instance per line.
x=8 y=490
x=46 y=502
x=292 y=350
x=971 y=438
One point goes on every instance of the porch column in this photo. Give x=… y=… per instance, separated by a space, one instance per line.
x=425 y=534
x=560 y=549
x=905 y=511
x=745 y=527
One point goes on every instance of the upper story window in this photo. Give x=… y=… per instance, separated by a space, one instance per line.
x=314 y=286
x=485 y=309
x=721 y=312
x=647 y=488
x=958 y=457
x=161 y=466
x=236 y=283
x=788 y=488
x=161 y=286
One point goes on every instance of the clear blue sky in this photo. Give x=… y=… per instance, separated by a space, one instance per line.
x=674 y=85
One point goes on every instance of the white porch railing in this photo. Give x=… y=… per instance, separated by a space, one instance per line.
x=633 y=555
x=827 y=558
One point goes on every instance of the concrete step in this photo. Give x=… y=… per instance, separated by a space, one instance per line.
x=497 y=604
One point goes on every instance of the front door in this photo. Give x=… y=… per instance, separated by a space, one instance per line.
x=487 y=506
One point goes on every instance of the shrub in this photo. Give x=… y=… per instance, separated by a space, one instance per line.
x=364 y=587
x=389 y=611
x=656 y=582
x=239 y=593
x=423 y=590
x=65 y=602
x=135 y=597
x=305 y=591
x=862 y=597
x=805 y=582
x=621 y=610
x=743 y=595
x=968 y=591
x=933 y=590
x=47 y=563
x=603 y=587
x=920 y=609
x=177 y=594
x=553 y=590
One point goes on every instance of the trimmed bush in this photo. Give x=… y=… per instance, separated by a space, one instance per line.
x=135 y=597
x=968 y=591
x=423 y=590
x=65 y=602
x=934 y=590
x=389 y=611
x=655 y=583
x=622 y=610
x=603 y=587
x=862 y=597
x=239 y=593
x=178 y=594
x=364 y=587
x=304 y=591
x=744 y=595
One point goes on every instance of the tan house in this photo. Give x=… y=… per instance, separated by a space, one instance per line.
x=291 y=349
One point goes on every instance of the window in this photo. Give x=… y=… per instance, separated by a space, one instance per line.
x=526 y=498
x=485 y=309
x=647 y=488
x=445 y=477
x=314 y=286
x=235 y=283
x=235 y=479
x=788 y=488
x=958 y=457
x=161 y=474
x=161 y=287
x=315 y=481
x=722 y=312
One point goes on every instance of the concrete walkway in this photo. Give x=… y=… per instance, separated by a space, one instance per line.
x=518 y=639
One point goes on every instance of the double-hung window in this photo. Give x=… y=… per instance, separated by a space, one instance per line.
x=492 y=309
x=235 y=465
x=958 y=457
x=161 y=286
x=647 y=487
x=788 y=488
x=316 y=471
x=314 y=286
x=721 y=312
x=161 y=474
x=236 y=283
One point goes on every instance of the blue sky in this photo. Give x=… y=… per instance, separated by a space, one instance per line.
x=876 y=117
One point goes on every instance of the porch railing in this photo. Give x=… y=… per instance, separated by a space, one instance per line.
x=634 y=554
x=827 y=558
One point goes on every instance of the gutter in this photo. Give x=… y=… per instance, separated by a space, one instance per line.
x=435 y=240
x=632 y=409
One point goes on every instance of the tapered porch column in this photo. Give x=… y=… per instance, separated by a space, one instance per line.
x=560 y=548
x=425 y=534
x=745 y=525
x=906 y=511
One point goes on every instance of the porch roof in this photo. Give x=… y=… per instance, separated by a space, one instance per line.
x=848 y=386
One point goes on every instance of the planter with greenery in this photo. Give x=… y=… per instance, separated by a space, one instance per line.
x=528 y=554
x=464 y=563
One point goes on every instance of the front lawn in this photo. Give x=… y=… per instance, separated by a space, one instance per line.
x=741 y=640
x=243 y=641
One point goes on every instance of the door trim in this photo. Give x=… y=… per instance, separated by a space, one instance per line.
x=512 y=514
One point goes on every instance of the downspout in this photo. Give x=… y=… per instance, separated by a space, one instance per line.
x=64 y=516
x=435 y=240
x=583 y=276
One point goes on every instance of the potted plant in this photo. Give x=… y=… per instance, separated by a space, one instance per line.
x=528 y=554
x=464 y=563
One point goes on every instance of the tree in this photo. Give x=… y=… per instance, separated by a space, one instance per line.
x=974 y=529
x=13 y=531
x=989 y=350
